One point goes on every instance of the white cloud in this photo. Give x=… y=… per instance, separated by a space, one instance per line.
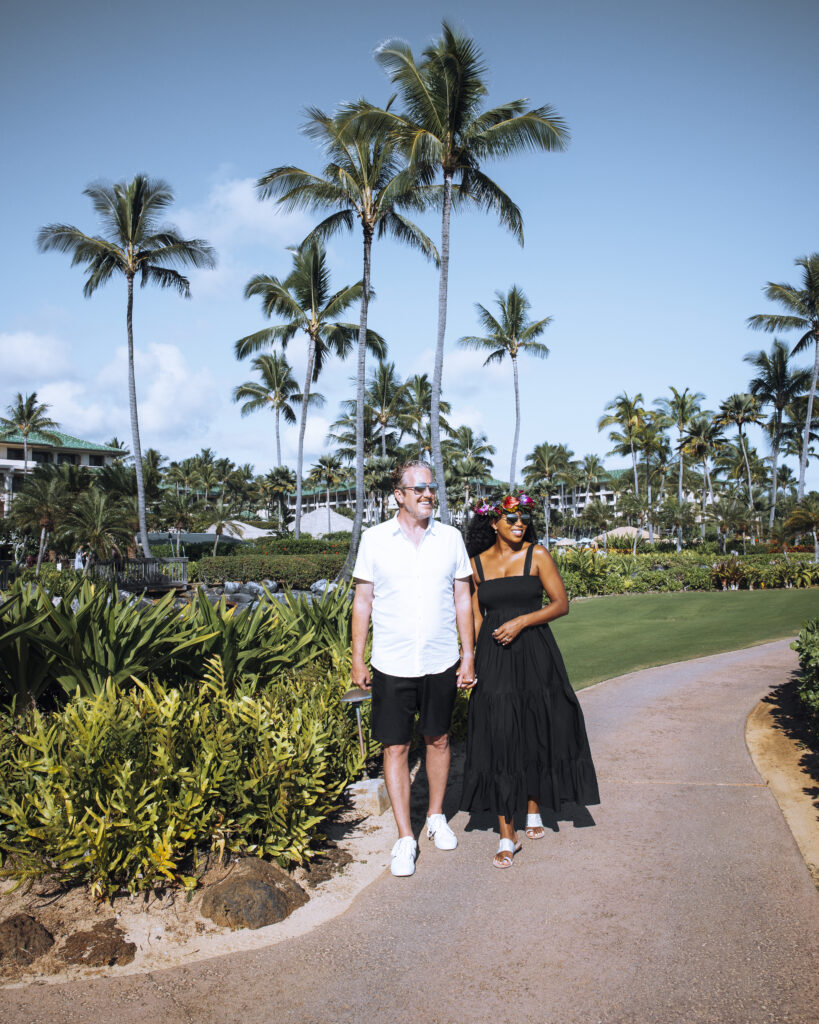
x=235 y=223
x=29 y=360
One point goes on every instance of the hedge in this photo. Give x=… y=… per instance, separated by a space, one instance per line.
x=294 y=571
x=807 y=647
x=122 y=790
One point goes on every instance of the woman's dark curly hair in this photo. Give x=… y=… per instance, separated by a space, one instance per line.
x=480 y=536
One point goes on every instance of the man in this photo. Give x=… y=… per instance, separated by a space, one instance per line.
x=412 y=578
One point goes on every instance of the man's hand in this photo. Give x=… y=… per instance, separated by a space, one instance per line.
x=466 y=672
x=360 y=675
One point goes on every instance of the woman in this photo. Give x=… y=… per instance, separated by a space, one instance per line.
x=527 y=742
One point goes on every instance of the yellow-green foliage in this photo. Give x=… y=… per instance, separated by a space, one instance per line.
x=120 y=788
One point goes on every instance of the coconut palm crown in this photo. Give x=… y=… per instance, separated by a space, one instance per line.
x=134 y=244
x=509 y=334
x=802 y=314
x=27 y=416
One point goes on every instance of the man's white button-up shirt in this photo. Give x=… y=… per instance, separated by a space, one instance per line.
x=413 y=613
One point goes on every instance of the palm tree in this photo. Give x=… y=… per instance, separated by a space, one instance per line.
x=133 y=243
x=679 y=410
x=366 y=183
x=278 y=483
x=508 y=335
x=419 y=399
x=777 y=385
x=802 y=306
x=472 y=454
x=676 y=515
x=702 y=441
x=223 y=516
x=628 y=414
x=805 y=518
x=27 y=416
x=304 y=302
x=100 y=521
x=327 y=472
x=543 y=464
x=275 y=391
x=739 y=410
x=591 y=469
x=40 y=504
x=445 y=129
x=386 y=397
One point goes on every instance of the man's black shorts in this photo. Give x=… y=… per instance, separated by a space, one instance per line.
x=397 y=699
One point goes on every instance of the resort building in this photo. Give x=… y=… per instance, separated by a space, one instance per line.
x=64 y=450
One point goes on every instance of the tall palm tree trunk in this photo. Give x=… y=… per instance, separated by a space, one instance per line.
x=278 y=441
x=25 y=454
x=41 y=549
x=803 y=462
x=517 y=424
x=305 y=401
x=328 y=506
x=680 y=490
x=438 y=372
x=634 y=466
x=747 y=470
x=704 y=497
x=774 y=461
x=361 y=369
x=132 y=403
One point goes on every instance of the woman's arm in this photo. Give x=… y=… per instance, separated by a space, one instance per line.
x=477 y=615
x=558 y=601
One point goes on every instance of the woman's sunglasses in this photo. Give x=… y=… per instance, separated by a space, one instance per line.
x=420 y=488
x=512 y=518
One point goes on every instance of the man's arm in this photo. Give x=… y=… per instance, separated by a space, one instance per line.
x=362 y=609
x=466 y=631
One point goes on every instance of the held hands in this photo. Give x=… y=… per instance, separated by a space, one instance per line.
x=360 y=675
x=507 y=632
x=466 y=672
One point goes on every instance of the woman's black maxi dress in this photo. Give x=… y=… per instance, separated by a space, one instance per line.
x=525 y=735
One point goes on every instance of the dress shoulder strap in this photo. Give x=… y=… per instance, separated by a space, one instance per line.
x=479 y=567
x=527 y=565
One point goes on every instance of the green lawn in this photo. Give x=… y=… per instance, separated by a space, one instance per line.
x=607 y=636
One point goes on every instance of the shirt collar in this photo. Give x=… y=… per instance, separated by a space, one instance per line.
x=433 y=526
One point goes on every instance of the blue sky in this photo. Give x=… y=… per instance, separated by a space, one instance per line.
x=689 y=183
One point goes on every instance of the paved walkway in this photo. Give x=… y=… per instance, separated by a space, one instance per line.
x=686 y=902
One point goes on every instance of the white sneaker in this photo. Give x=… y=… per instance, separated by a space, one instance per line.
x=437 y=829
x=403 y=856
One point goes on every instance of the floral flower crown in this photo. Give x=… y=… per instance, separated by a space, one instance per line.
x=511 y=503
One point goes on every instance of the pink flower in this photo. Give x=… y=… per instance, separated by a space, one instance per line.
x=510 y=503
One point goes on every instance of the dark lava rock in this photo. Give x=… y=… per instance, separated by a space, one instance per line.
x=23 y=939
x=255 y=894
x=103 y=946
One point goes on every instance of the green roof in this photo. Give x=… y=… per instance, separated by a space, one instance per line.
x=65 y=441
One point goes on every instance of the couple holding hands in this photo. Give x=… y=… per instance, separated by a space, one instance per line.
x=526 y=745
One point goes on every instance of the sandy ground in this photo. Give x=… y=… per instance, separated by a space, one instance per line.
x=682 y=899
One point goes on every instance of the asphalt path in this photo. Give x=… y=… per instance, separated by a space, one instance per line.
x=681 y=898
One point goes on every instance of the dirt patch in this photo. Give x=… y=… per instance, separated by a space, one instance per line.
x=102 y=946
x=162 y=928
x=786 y=754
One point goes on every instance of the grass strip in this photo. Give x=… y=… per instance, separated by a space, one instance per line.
x=608 y=636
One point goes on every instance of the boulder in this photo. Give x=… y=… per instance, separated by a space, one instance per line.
x=101 y=946
x=254 y=589
x=232 y=587
x=240 y=597
x=253 y=895
x=319 y=586
x=271 y=585
x=23 y=939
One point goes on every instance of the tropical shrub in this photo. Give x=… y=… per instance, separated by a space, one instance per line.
x=294 y=571
x=332 y=544
x=121 y=789
x=807 y=647
x=56 y=581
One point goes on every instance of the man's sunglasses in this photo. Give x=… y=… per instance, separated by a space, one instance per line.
x=512 y=518
x=420 y=488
